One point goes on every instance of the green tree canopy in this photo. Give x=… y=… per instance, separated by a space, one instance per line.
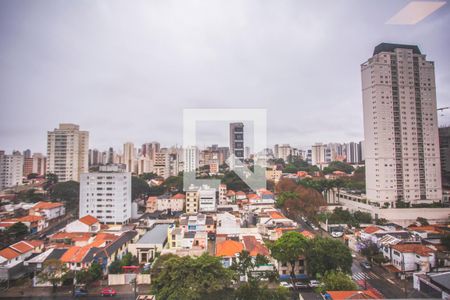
x=67 y=192
x=259 y=291
x=139 y=187
x=338 y=166
x=148 y=176
x=326 y=254
x=189 y=278
x=53 y=271
x=337 y=281
x=289 y=248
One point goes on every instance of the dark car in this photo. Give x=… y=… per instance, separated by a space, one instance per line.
x=365 y=265
x=80 y=292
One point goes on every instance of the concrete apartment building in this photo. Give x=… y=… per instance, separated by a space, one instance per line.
x=67 y=152
x=129 y=157
x=282 y=151
x=207 y=200
x=191 y=158
x=192 y=200
x=400 y=126
x=11 y=169
x=237 y=140
x=106 y=195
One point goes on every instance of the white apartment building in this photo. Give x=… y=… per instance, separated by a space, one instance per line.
x=67 y=152
x=11 y=169
x=191 y=158
x=282 y=151
x=400 y=126
x=207 y=199
x=318 y=154
x=106 y=195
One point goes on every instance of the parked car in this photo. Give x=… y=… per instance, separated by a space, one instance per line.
x=108 y=291
x=80 y=292
x=301 y=285
x=365 y=265
x=314 y=227
x=314 y=283
x=286 y=284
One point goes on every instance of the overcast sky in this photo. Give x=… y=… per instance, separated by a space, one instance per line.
x=125 y=70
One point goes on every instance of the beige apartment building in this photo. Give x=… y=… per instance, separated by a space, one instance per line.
x=67 y=152
x=400 y=126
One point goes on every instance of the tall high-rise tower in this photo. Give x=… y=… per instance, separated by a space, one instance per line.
x=400 y=126
x=67 y=152
x=237 y=140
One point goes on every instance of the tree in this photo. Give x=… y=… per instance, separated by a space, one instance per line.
x=289 y=248
x=17 y=231
x=29 y=196
x=422 y=221
x=53 y=271
x=326 y=254
x=87 y=276
x=381 y=221
x=32 y=176
x=369 y=249
x=445 y=241
x=174 y=184
x=189 y=278
x=51 y=179
x=337 y=281
x=256 y=290
x=338 y=166
x=67 y=192
x=139 y=188
x=148 y=176
x=127 y=260
x=245 y=265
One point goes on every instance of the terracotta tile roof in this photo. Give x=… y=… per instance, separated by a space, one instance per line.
x=35 y=243
x=307 y=234
x=70 y=254
x=228 y=248
x=9 y=253
x=254 y=247
x=22 y=247
x=46 y=205
x=343 y=295
x=6 y=224
x=230 y=193
x=27 y=219
x=276 y=215
x=88 y=220
x=371 y=229
x=413 y=248
x=429 y=228
x=240 y=193
x=252 y=196
x=178 y=196
x=74 y=236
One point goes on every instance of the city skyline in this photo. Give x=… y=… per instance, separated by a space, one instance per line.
x=138 y=90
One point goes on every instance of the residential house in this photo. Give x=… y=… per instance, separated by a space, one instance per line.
x=152 y=242
x=34 y=223
x=87 y=223
x=411 y=257
x=48 y=210
x=12 y=258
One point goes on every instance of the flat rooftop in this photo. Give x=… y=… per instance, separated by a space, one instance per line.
x=156 y=235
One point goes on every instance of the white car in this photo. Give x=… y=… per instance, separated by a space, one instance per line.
x=314 y=283
x=286 y=284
